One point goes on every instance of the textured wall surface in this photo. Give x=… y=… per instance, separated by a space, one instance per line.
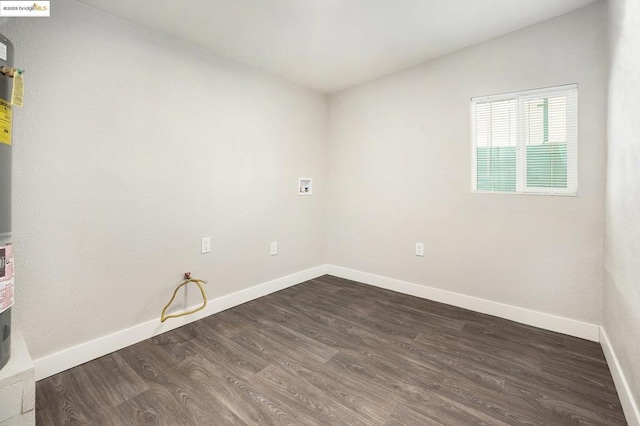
x=621 y=318
x=130 y=148
x=400 y=172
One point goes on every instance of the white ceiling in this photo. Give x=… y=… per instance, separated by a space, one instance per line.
x=328 y=45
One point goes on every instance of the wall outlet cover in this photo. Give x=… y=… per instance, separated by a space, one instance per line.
x=206 y=245
x=305 y=186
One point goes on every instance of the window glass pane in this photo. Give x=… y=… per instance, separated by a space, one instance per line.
x=545 y=121
x=496 y=168
x=496 y=139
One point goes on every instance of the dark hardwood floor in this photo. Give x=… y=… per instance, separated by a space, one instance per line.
x=336 y=352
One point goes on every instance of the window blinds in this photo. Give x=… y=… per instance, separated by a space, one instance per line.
x=526 y=142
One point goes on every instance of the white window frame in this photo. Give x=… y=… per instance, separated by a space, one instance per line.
x=521 y=166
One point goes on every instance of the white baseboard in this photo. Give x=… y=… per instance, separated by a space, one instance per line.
x=76 y=355
x=629 y=406
x=522 y=315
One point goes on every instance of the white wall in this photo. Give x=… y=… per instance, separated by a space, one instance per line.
x=133 y=146
x=400 y=172
x=621 y=319
x=130 y=148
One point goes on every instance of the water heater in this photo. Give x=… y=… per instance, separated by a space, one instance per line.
x=6 y=246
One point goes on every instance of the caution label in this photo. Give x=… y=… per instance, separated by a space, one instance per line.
x=5 y=122
x=18 y=89
x=6 y=277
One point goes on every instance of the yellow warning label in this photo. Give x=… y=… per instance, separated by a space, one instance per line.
x=5 y=122
x=18 y=89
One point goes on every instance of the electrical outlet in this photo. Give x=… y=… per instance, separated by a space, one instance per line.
x=206 y=245
x=419 y=249
x=274 y=248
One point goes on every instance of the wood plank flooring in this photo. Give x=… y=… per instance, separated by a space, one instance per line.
x=336 y=352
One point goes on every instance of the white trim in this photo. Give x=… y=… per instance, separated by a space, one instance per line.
x=474 y=148
x=522 y=315
x=564 y=88
x=629 y=406
x=76 y=355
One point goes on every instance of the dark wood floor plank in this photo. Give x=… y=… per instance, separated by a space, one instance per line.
x=164 y=405
x=561 y=409
x=367 y=322
x=347 y=390
x=470 y=359
x=584 y=377
x=350 y=392
x=337 y=296
x=526 y=339
x=369 y=403
x=274 y=329
x=515 y=369
x=332 y=351
x=335 y=332
x=228 y=323
x=224 y=383
x=416 y=320
x=69 y=398
x=463 y=340
x=162 y=373
x=398 y=383
x=326 y=411
x=403 y=416
x=113 y=379
x=423 y=395
x=221 y=350
x=201 y=370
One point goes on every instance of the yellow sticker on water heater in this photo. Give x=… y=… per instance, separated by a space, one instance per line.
x=5 y=122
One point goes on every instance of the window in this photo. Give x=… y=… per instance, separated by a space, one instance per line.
x=526 y=142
